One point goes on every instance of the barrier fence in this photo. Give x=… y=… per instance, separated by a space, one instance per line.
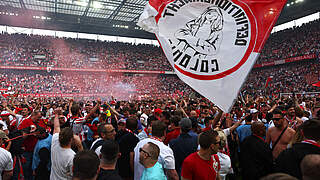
x=49 y=69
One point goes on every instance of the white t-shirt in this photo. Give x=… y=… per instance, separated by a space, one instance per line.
x=6 y=162
x=144 y=119
x=97 y=151
x=271 y=124
x=61 y=160
x=225 y=164
x=166 y=158
x=4 y=125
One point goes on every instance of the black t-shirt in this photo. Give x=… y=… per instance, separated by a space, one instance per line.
x=289 y=160
x=127 y=143
x=108 y=175
x=255 y=158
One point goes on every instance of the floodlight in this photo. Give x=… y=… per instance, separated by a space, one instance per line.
x=110 y=7
x=81 y=3
x=96 y=5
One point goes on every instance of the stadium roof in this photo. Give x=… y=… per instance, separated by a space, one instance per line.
x=109 y=17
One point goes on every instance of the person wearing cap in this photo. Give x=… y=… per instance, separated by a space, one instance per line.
x=4 y=121
x=127 y=142
x=6 y=162
x=122 y=124
x=157 y=113
x=254 y=113
x=41 y=162
x=184 y=145
x=144 y=116
x=108 y=159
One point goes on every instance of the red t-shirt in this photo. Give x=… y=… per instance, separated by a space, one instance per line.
x=194 y=167
x=206 y=129
x=172 y=135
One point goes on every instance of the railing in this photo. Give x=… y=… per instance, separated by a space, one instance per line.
x=308 y=94
x=49 y=69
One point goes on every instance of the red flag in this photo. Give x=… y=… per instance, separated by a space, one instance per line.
x=268 y=80
x=316 y=84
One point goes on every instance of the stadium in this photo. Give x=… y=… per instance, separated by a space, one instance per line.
x=84 y=67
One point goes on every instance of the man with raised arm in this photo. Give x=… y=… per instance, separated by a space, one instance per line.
x=61 y=152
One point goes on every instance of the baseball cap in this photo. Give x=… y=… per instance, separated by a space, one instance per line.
x=122 y=120
x=3 y=135
x=158 y=111
x=4 y=113
x=185 y=123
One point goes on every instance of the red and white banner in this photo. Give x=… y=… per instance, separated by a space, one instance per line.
x=49 y=69
x=212 y=44
x=267 y=81
x=287 y=60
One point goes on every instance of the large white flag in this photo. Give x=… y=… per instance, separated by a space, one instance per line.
x=212 y=44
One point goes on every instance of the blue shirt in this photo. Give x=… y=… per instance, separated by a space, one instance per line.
x=43 y=143
x=244 y=131
x=154 y=173
x=182 y=147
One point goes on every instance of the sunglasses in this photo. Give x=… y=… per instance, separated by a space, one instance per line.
x=219 y=142
x=276 y=119
x=141 y=150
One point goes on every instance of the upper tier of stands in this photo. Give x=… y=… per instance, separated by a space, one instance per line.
x=47 y=51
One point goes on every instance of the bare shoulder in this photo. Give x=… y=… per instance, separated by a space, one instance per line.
x=271 y=129
x=291 y=131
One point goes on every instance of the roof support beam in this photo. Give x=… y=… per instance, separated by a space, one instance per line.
x=23 y=6
x=55 y=7
x=116 y=11
x=134 y=19
x=87 y=8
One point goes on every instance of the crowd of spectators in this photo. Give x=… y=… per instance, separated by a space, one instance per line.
x=169 y=132
x=292 y=42
x=47 y=51
x=294 y=77
x=120 y=85
x=163 y=138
